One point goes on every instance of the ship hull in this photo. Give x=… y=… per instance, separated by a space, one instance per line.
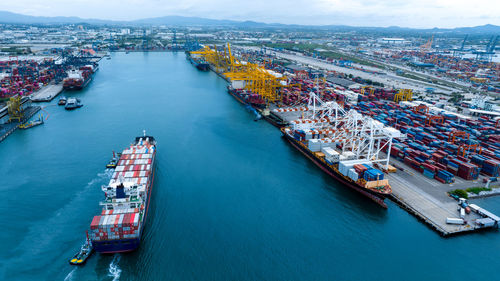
x=274 y=120
x=116 y=246
x=240 y=99
x=79 y=87
x=377 y=198
x=200 y=66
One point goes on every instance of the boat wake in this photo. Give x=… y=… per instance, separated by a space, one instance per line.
x=44 y=234
x=114 y=269
x=69 y=277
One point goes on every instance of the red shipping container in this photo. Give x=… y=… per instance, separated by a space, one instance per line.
x=95 y=222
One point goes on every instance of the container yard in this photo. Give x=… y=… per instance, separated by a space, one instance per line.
x=423 y=155
x=24 y=80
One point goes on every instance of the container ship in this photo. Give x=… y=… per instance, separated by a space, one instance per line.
x=80 y=78
x=127 y=195
x=345 y=145
x=200 y=63
x=258 y=104
x=355 y=174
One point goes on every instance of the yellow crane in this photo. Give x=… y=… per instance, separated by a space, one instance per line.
x=367 y=90
x=403 y=95
x=14 y=109
x=254 y=78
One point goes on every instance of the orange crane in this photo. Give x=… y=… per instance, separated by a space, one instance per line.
x=427 y=45
x=431 y=118
x=455 y=134
x=421 y=108
x=466 y=148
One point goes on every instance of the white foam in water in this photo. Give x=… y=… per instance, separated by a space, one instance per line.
x=69 y=277
x=114 y=269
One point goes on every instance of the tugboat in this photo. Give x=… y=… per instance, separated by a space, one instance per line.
x=32 y=124
x=73 y=103
x=62 y=101
x=85 y=251
x=114 y=161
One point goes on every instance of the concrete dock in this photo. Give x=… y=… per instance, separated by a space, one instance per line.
x=47 y=93
x=9 y=128
x=427 y=199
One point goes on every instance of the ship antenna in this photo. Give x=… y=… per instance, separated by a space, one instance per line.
x=144 y=132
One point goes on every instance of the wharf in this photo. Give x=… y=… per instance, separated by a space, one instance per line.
x=9 y=128
x=47 y=93
x=427 y=200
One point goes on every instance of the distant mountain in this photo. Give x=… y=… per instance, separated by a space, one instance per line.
x=180 y=21
x=8 y=17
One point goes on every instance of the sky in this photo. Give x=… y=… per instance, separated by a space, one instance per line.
x=405 y=13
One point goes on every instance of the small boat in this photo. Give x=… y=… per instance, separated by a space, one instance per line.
x=32 y=123
x=114 y=161
x=85 y=251
x=73 y=103
x=62 y=101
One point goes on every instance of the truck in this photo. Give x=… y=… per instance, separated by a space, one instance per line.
x=462 y=213
x=455 y=221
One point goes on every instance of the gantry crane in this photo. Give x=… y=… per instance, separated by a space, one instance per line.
x=434 y=119
x=14 y=109
x=367 y=89
x=464 y=149
x=421 y=109
x=455 y=134
x=403 y=95
x=427 y=45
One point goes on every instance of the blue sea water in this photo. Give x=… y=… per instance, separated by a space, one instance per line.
x=232 y=200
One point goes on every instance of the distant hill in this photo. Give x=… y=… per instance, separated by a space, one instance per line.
x=8 y=17
x=181 y=21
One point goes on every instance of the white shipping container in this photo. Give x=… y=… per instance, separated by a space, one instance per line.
x=485 y=222
x=462 y=213
x=454 y=221
x=120 y=222
x=349 y=155
x=353 y=175
x=136 y=219
x=328 y=151
x=474 y=207
x=314 y=145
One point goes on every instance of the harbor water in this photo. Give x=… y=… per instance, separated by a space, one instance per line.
x=232 y=200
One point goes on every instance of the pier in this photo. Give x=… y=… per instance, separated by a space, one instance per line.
x=9 y=128
x=428 y=200
x=47 y=93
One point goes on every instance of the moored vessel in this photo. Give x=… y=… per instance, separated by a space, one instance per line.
x=79 y=78
x=346 y=145
x=376 y=190
x=198 y=62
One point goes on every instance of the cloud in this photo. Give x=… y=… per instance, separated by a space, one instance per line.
x=409 y=13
